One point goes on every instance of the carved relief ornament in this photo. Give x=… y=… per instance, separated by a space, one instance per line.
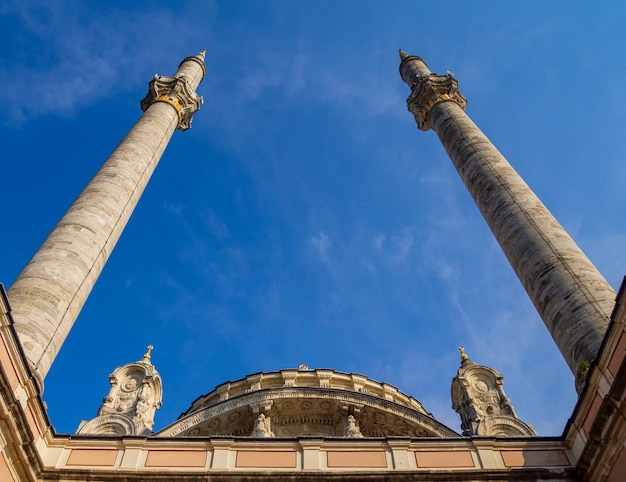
x=129 y=407
x=431 y=426
x=429 y=92
x=177 y=92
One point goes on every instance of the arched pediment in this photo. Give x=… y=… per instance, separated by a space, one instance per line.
x=306 y=411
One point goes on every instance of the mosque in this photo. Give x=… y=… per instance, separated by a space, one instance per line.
x=301 y=423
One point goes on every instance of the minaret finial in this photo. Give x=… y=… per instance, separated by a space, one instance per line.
x=147 y=355
x=463 y=354
x=403 y=54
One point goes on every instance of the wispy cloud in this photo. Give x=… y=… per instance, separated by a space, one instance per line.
x=175 y=208
x=321 y=244
x=77 y=56
x=395 y=247
x=322 y=208
x=218 y=228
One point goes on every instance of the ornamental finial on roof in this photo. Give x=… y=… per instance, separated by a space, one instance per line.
x=147 y=355
x=463 y=354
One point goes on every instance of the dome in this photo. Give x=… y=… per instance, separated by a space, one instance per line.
x=303 y=402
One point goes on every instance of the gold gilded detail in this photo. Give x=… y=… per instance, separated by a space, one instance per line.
x=440 y=98
x=147 y=355
x=174 y=102
x=463 y=354
x=429 y=92
x=177 y=92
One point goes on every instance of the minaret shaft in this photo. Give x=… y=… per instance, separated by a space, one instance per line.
x=49 y=293
x=571 y=296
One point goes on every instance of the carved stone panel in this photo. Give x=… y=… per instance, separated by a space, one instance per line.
x=478 y=397
x=133 y=398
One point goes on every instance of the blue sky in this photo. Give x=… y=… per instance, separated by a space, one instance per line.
x=304 y=218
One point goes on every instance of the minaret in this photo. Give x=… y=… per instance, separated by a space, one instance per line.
x=571 y=296
x=49 y=293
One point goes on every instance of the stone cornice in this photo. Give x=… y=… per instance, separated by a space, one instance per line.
x=322 y=378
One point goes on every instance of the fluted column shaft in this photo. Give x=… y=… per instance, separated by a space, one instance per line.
x=571 y=296
x=49 y=293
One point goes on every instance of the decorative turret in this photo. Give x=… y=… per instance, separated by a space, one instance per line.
x=478 y=397
x=571 y=296
x=128 y=409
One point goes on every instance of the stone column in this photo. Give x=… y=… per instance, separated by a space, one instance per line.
x=571 y=296
x=49 y=293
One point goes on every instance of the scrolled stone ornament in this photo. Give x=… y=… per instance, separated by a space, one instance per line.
x=177 y=92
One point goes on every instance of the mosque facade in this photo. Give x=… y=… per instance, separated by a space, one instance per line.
x=302 y=423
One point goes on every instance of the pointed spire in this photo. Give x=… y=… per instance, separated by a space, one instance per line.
x=464 y=356
x=198 y=59
x=147 y=355
x=412 y=69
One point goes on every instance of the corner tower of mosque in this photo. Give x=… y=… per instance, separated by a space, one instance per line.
x=312 y=423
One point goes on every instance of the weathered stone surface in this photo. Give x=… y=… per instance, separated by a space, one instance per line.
x=51 y=290
x=320 y=403
x=479 y=399
x=571 y=296
x=128 y=409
